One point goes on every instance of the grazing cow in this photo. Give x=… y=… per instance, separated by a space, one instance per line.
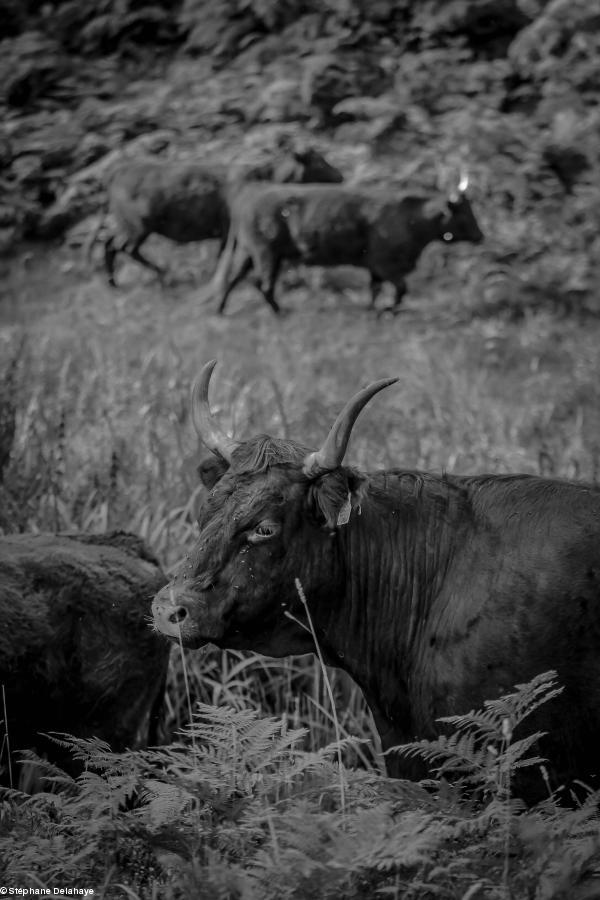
x=338 y=225
x=187 y=201
x=77 y=652
x=433 y=592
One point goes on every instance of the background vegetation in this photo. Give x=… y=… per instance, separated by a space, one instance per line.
x=496 y=350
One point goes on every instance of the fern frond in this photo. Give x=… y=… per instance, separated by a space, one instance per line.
x=526 y=698
x=480 y=751
x=164 y=803
x=48 y=771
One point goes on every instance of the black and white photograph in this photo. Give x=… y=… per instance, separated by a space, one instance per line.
x=300 y=449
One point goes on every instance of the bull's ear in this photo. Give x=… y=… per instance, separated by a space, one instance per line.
x=334 y=496
x=211 y=470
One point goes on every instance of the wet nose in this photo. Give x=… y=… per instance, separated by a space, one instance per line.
x=178 y=615
x=169 y=609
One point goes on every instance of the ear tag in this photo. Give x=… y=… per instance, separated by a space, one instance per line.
x=344 y=513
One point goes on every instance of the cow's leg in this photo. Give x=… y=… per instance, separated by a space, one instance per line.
x=399 y=286
x=134 y=252
x=241 y=266
x=399 y=292
x=218 y=282
x=376 y=285
x=93 y=237
x=110 y=255
x=269 y=269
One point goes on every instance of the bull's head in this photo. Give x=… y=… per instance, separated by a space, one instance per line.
x=303 y=164
x=458 y=219
x=274 y=515
x=315 y=167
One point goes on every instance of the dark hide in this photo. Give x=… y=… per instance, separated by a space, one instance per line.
x=188 y=201
x=77 y=651
x=434 y=593
x=332 y=226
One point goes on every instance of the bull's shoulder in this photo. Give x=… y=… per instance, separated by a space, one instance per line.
x=303 y=190
x=318 y=200
x=497 y=500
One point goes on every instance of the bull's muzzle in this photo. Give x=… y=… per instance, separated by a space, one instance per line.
x=184 y=616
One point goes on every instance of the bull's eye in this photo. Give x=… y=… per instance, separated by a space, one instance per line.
x=448 y=235
x=263 y=531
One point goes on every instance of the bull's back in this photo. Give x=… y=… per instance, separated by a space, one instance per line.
x=316 y=223
x=184 y=202
x=339 y=225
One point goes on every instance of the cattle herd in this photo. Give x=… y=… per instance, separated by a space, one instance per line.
x=434 y=593
x=261 y=220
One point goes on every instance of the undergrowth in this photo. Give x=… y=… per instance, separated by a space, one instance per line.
x=238 y=808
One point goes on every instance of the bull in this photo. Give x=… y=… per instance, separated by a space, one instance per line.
x=77 y=654
x=327 y=225
x=187 y=201
x=432 y=592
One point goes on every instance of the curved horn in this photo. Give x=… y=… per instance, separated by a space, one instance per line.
x=207 y=429
x=463 y=184
x=331 y=454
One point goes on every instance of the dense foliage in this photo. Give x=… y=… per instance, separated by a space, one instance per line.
x=239 y=810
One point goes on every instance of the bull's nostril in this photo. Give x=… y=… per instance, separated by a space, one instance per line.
x=178 y=615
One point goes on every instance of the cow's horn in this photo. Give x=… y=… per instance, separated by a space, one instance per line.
x=331 y=454
x=463 y=184
x=208 y=430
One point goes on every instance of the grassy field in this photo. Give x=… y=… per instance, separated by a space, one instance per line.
x=103 y=437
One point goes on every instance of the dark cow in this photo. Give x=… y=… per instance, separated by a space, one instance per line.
x=333 y=226
x=188 y=201
x=434 y=592
x=77 y=652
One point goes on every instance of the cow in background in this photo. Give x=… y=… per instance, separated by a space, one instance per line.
x=189 y=201
x=325 y=225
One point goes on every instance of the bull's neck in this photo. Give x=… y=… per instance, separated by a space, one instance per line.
x=395 y=553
